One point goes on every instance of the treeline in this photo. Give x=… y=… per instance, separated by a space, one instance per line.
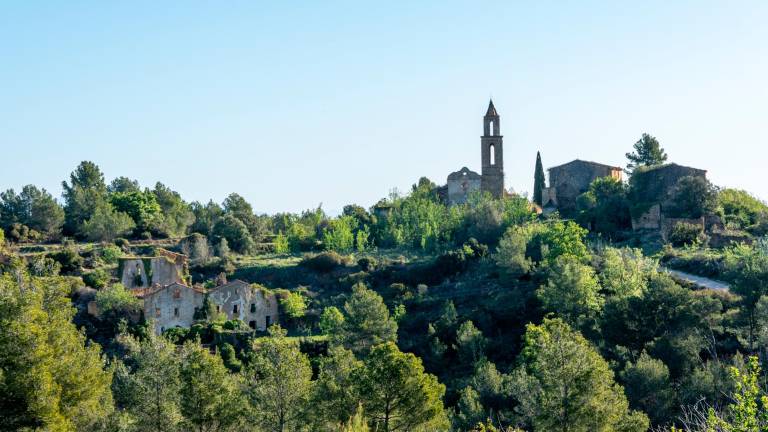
x=93 y=210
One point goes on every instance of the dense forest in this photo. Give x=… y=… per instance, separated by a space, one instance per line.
x=412 y=315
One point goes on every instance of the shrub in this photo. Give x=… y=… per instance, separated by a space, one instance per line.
x=294 y=305
x=110 y=254
x=69 y=259
x=367 y=263
x=96 y=279
x=684 y=233
x=324 y=262
x=122 y=243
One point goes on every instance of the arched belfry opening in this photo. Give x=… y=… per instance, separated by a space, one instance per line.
x=492 y=177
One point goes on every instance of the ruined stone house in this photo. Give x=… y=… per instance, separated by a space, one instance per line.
x=145 y=272
x=651 y=193
x=252 y=305
x=462 y=183
x=569 y=180
x=172 y=305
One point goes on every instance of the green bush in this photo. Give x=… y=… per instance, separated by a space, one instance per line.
x=367 y=263
x=324 y=262
x=122 y=243
x=110 y=254
x=69 y=259
x=96 y=279
x=684 y=233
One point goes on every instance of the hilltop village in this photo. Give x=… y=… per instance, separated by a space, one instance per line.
x=444 y=309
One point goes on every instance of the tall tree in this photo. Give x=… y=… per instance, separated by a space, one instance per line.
x=367 y=321
x=538 y=180
x=51 y=378
x=648 y=152
x=397 y=394
x=562 y=384
x=177 y=214
x=85 y=191
x=148 y=386
x=571 y=291
x=335 y=398
x=279 y=382
x=211 y=398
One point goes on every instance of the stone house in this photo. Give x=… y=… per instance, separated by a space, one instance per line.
x=568 y=181
x=144 y=272
x=239 y=300
x=651 y=189
x=172 y=305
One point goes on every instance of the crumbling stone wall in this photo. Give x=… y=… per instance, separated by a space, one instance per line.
x=573 y=179
x=172 y=305
x=239 y=300
x=461 y=184
x=150 y=271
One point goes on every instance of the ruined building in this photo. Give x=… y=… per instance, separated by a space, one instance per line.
x=464 y=182
x=144 y=272
x=568 y=181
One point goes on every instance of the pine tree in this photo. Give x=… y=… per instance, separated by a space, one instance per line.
x=648 y=152
x=538 y=181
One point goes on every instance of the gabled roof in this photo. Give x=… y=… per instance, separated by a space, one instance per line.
x=585 y=163
x=236 y=282
x=491 y=110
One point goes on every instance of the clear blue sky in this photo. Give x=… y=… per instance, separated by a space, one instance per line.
x=292 y=104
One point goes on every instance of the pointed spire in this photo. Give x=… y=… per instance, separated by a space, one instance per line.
x=491 y=110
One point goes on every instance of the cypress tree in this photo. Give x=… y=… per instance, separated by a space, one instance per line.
x=538 y=180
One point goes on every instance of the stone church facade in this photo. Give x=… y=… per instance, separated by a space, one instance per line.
x=461 y=184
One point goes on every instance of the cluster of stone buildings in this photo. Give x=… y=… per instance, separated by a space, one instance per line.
x=170 y=300
x=566 y=181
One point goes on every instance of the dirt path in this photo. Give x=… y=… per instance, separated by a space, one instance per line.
x=699 y=281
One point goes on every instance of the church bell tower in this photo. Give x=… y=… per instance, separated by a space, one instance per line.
x=492 y=153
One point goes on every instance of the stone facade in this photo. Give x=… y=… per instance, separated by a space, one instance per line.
x=461 y=184
x=145 y=272
x=172 y=305
x=568 y=181
x=240 y=300
x=464 y=182
x=654 y=186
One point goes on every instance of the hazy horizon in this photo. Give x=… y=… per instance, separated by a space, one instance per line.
x=292 y=106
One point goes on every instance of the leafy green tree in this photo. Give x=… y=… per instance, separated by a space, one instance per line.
x=693 y=197
x=205 y=217
x=34 y=208
x=331 y=320
x=397 y=394
x=648 y=152
x=106 y=224
x=335 y=393
x=562 y=384
x=123 y=184
x=563 y=238
x=356 y=423
x=281 y=244
x=740 y=209
x=469 y=409
x=747 y=268
x=177 y=215
x=625 y=272
x=142 y=207
x=366 y=322
x=85 y=192
x=571 y=291
x=51 y=378
x=211 y=398
x=649 y=388
x=115 y=303
x=511 y=253
x=279 y=383
x=605 y=207
x=470 y=342
x=235 y=232
x=294 y=305
x=538 y=180
x=148 y=385
x=338 y=235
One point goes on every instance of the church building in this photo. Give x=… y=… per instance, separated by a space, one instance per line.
x=464 y=182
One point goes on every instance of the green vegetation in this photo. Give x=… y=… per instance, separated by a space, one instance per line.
x=409 y=316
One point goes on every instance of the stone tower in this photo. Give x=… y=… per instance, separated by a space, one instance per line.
x=492 y=153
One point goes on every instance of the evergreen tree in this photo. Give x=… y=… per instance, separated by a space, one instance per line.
x=367 y=321
x=538 y=180
x=648 y=152
x=397 y=394
x=279 y=382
